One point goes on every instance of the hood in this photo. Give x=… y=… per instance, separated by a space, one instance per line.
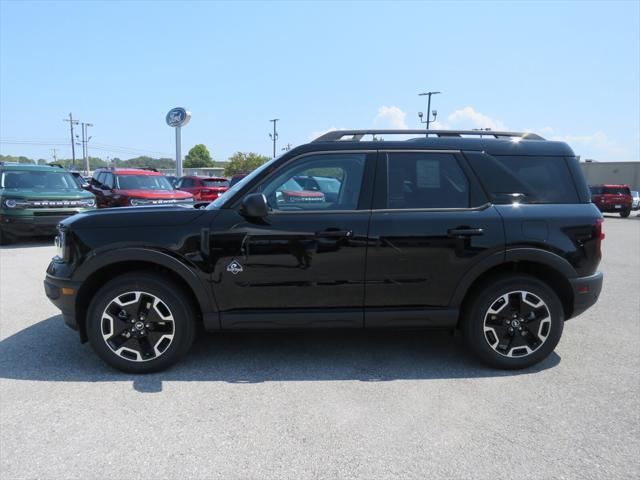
x=155 y=194
x=151 y=216
x=45 y=194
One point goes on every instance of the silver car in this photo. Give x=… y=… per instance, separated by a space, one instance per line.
x=635 y=202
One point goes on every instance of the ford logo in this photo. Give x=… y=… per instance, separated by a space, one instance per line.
x=178 y=117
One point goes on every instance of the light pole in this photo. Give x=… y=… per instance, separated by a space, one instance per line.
x=85 y=146
x=435 y=112
x=274 y=135
x=72 y=122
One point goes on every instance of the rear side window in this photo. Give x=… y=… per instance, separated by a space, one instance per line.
x=425 y=180
x=596 y=190
x=526 y=179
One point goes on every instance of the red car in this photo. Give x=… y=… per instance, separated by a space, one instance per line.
x=123 y=187
x=205 y=189
x=612 y=198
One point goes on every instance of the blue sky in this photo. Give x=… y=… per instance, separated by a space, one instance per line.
x=567 y=70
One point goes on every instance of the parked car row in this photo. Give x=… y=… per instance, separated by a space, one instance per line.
x=35 y=198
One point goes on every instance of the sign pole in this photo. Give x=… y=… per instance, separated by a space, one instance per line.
x=178 y=152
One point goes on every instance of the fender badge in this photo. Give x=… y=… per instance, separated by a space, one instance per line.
x=234 y=267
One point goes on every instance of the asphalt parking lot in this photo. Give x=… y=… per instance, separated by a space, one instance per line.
x=322 y=405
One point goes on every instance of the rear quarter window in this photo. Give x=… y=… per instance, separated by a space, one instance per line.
x=529 y=179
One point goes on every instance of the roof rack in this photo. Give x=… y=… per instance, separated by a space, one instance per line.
x=337 y=135
x=151 y=169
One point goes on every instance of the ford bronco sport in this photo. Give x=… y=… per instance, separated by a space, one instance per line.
x=34 y=198
x=492 y=233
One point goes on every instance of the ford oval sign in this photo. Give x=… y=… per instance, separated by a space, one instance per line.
x=178 y=117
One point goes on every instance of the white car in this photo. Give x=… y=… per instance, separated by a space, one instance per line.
x=635 y=202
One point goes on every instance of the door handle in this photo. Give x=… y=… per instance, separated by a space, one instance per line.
x=465 y=232
x=334 y=233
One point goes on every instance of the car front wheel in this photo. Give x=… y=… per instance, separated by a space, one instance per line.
x=140 y=323
x=514 y=322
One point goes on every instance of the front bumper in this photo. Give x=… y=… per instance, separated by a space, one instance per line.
x=30 y=225
x=62 y=294
x=586 y=291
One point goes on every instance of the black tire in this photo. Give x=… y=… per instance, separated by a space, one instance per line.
x=478 y=310
x=625 y=213
x=6 y=238
x=172 y=300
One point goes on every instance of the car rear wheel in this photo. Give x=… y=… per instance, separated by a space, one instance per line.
x=140 y=323
x=514 y=322
x=625 y=213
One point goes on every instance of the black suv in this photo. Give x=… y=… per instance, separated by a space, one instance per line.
x=492 y=233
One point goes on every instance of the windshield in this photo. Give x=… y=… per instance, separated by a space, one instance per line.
x=217 y=203
x=143 y=182
x=215 y=183
x=291 y=185
x=330 y=185
x=34 y=180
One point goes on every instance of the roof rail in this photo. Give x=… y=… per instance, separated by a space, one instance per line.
x=336 y=135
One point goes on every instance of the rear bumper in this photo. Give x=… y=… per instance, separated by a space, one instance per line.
x=586 y=291
x=612 y=208
x=24 y=225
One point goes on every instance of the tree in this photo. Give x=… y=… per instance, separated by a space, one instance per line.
x=243 y=162
x=42 y=161
x=198 y=157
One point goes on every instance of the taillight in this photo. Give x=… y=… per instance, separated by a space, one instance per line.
x=599 y=234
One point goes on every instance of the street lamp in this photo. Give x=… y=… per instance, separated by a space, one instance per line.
x=435 y=112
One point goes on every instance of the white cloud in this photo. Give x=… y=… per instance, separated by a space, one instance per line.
x=597 y=146
x=468 y=118
x=319 y=133
x=390 y=117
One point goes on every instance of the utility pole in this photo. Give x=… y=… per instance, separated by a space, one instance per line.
x=72 y=122
x=274 y=136
x=435 y=112
x=55 y=158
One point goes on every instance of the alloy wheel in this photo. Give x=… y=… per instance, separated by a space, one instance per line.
x=137 y=326
x=517 y=324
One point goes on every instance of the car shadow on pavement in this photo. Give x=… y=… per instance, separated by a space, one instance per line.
x=49 y=351
x=29 y=242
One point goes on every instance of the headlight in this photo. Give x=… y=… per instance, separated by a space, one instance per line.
x=61 y=245
x=14 y=203
x=139 y=201
x=89 y=202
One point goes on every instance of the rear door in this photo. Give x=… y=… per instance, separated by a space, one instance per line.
x=430 y=224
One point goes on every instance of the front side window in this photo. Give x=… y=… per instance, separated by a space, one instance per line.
x=425 y=180
x=108 y=180
x=142 y=182
x=296 y=187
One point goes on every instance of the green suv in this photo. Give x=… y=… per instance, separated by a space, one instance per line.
x=34 y=198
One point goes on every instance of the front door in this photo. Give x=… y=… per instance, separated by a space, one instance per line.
x=303 y=265
x=429 y=226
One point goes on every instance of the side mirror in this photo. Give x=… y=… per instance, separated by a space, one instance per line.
x=254 y=205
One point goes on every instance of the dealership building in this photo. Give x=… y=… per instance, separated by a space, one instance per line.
x=612 y=172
